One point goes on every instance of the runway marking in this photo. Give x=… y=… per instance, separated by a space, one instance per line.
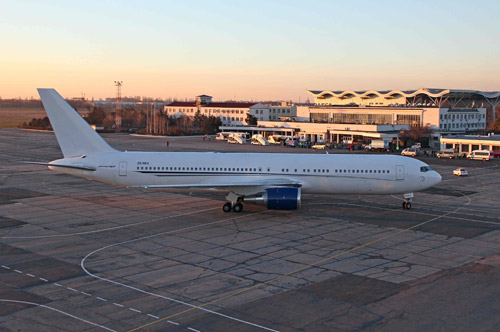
x=190 y=328
x=30 y=275
x=106 y=229
x=345 y=252
x=192 y=306
x=86 y=294
x=58 y=285
x=72 y=289
x=171 y=322
x=135 y=310
x=6 y=267
x=61 y=312
x=101 y=299
x=43 y=279
x=118 y=305
x=153 y=316
x=17 y=271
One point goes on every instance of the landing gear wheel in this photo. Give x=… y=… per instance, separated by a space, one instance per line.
x=226 y=207
x=404 y=205
x=238 y=207
x=408 y=205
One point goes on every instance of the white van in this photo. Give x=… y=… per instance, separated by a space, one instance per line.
x=481 y=155
x=448 y=153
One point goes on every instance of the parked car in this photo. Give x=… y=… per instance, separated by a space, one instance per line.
x=410 y=152
x=319 y=146
x=460 y=172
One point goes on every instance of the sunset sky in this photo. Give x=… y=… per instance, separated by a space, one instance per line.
x=252 y=50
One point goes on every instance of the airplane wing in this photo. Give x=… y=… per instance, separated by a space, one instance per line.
x=228 y=185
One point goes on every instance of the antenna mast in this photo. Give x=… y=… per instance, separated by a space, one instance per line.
x=118 y=118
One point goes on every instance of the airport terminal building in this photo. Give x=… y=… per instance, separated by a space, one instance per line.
x=340 y=116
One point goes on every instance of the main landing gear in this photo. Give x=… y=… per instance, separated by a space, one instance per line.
x=235 y=203
x=407 y=203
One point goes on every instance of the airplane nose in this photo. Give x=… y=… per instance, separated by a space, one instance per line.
x=435 y=178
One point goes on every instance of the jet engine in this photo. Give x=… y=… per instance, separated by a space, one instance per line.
x=278 y=198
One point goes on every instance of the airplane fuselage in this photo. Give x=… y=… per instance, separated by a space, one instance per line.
x=317 y=174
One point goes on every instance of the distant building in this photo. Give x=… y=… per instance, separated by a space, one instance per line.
x=440 y=98
x=283 y=111
x=444 y=120
x=230 y=113
x=469 y=143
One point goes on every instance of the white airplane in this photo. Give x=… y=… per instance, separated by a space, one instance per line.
x=271 y=179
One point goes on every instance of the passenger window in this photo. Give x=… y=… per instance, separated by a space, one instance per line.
x=295 y=170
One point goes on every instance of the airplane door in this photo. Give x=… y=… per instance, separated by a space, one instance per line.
x=400 y=172
x=122 y=169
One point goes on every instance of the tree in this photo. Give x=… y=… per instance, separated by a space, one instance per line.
x=198 y=120
x=495 y=126
x=96 y=116
x=416 y=133
x=251 y=120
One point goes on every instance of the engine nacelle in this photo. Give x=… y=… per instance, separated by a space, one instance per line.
x=278 y=198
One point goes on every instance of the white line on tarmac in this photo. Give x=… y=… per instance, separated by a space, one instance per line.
x=43 y=279
x=190 y=328
x=86 y=294
x=72 y=289
x=61 y=312
x=82 y=264
x=30 y=275
x=6 y=267
x=105 y=229
x=58 y=285
x=101 y=299
x=118 y=304
x=153 y=316
x=135 y=310
x=171 y=322
x=409 y=211
x=17 y=271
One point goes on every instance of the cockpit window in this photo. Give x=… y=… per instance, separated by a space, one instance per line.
x=425 y=169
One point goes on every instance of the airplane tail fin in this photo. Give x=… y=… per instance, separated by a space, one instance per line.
x=74 y=135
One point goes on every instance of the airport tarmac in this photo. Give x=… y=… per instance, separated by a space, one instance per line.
x=85 y=256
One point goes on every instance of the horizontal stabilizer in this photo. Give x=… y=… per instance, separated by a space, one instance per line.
x=82 y=167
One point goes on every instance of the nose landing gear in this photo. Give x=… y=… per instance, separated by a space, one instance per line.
x=407 y=203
